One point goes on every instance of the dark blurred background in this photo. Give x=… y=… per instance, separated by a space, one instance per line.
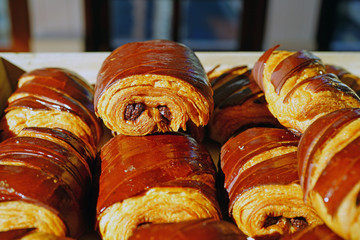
x=203 y=25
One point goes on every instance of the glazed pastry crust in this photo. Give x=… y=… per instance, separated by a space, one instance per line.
x=328 y=163
x=209 y=229
x=239 y=103
x=299 y=91
x=54 y=98
x=165 y=79
x=156 y=178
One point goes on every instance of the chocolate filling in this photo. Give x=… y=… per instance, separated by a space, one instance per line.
x=297 y=222
x=165 y=113
x=271 y=220
x=133 y=111
x=358 y=199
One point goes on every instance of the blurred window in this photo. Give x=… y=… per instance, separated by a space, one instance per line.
x=339 y=26
x=5 y=26
x=200 y=24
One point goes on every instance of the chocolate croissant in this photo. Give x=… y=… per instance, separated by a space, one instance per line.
x=199 y=229
x=52 y=98
x=298 y=89
x=261 y=178
x=152 y=86
x=153 y=179
x=345 y=76
x=239 y=103
x=45 y=182
x=329 y=165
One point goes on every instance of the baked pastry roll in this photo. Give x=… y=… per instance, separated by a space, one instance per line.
x=345 y=76
x=329 y=164
x=207 y=229
x=45 y=182
x=53 y=98
x=298 y=89
x=239 y=103
x=152 y=86
x=261 y=178
x=320 y=232
x=153 y=179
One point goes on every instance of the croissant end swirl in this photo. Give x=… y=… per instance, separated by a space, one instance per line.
x=329 y=166
x=298 y=89
x=261 y=178
x=152 y=86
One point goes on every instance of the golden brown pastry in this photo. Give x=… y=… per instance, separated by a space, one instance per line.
x=152 y=86
x=153 y=179
x=329 y=165
x=345 y=76
x=29 y=234
x=45 y=182
x=320 y=232
x=199 y=229
x=261 y=178
x=298 y=89
x=239 y=103
x=53 y=98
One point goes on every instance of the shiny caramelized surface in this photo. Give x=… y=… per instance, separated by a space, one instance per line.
x=51 y=171
x=132 y=165
x=57 y=95
x=196 y=229
x=298 y=88
x=156 y=178
x=152 y=86
x=160 y=57
x=239 y=103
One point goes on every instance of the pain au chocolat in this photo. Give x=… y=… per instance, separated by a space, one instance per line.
x=329 y=165
x=152 y=86
x=53 y=98
x=298 y=89
x=153 y=179
x=239 y=103
x=199 y=229
x=261 y=178
x=45 y=182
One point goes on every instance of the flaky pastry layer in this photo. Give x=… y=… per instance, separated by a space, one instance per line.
x=17 y=119
x=268 y=210
x=20 y=214
x=183 y=101
x=299 y=90
x=157 y=205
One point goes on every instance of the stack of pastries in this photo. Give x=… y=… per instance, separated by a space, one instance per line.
x=287 y=128
x=50 y=135
x=312 y=99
